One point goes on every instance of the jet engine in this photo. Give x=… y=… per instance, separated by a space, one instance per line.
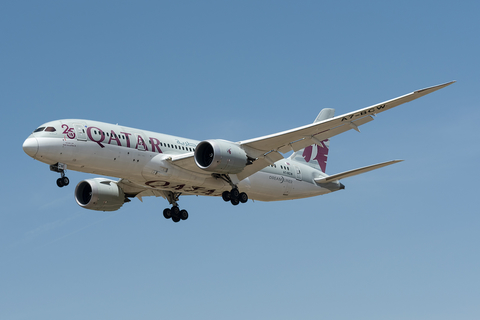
x=99 y=194
x=220 y=156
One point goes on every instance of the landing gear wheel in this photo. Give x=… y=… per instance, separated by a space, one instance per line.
x=183 y=215
x=234 y=196
x=175 y=211
x=60 y=168
x=167 y=213
x=234 y=193
x=175 y=214
x=226 y=196
x=243 y=197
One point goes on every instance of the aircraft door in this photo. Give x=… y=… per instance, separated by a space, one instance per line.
x=80 y=130
x=298 y=173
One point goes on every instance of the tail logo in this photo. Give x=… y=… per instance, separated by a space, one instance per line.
x=320 y=155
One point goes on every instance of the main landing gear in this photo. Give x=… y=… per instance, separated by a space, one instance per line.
x=175 y=213
x=61 y=168
x=234 y=196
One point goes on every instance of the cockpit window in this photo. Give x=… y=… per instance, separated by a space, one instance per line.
x=39 y=129
x=50 y=129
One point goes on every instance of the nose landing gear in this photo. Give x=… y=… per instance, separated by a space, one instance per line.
x=63 y=181
x=61 y=168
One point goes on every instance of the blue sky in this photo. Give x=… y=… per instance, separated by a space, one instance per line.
x=401 y=242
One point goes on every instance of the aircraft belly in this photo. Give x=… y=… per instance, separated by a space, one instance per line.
x=271 y=187
x=207 y=187
x=145 y=169
x=150 y=170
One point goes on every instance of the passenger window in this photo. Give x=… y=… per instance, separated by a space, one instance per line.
x=39 y=129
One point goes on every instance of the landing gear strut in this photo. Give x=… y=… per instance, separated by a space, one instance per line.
x=234 y=196
x=61 y=168
x=175 y=213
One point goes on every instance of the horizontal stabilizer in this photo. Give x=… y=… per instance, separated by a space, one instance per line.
x=354 y=172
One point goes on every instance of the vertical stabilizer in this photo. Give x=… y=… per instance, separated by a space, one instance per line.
x=316 y=155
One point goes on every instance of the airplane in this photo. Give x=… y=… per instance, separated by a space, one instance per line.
x=156 y=164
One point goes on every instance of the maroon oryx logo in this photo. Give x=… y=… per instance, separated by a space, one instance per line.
x=320 y=154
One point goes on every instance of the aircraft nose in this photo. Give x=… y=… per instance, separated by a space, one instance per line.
x=30 y=146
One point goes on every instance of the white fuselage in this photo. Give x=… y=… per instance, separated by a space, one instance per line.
x=143 y=158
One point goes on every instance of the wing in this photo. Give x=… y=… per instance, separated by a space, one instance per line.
x=139 y=191
x=133 y=189
x=267 y=149
x=292 y=139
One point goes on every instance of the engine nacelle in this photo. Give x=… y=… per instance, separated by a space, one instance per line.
x=220 y=156
x=99 y=194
